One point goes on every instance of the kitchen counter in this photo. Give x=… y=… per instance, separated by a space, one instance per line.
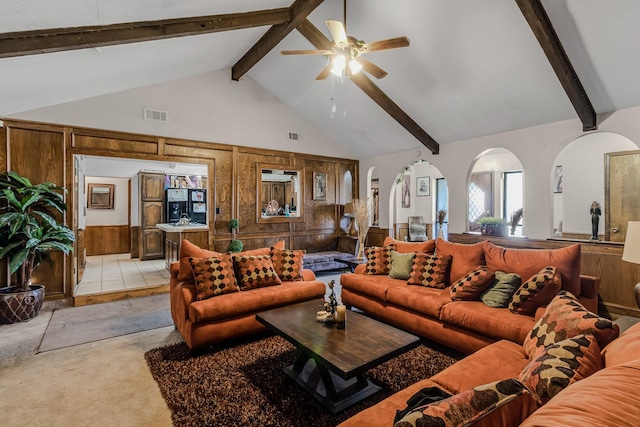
x=182 y=228
x=198 y=234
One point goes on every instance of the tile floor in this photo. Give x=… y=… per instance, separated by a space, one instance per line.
x=108 y=273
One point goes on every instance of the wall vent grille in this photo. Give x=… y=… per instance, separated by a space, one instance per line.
x=156 y=115
x=294 y=136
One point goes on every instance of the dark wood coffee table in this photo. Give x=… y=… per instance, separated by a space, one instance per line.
x=332 y=363
x=351 y=260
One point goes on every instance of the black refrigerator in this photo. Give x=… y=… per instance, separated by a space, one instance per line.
x=197 y=205
x=176 y=204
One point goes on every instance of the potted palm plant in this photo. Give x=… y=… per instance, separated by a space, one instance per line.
x=28 y=232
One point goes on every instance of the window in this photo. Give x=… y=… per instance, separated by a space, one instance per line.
x=512 y=196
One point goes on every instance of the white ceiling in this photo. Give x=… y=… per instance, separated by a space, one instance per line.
x=474 y=68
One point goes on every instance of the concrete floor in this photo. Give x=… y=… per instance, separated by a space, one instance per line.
x=103 y=383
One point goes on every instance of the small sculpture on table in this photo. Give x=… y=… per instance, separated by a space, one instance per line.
x=595 y=212
x=328 y=315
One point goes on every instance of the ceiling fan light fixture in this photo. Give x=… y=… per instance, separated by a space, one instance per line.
x=339 y=63
x=355 y=66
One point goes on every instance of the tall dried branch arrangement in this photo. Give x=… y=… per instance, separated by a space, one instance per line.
x=442 y=214
x=363 y=220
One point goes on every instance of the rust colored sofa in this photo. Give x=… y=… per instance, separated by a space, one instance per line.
x=466 y=326
x=230 y=315
x=608 y=398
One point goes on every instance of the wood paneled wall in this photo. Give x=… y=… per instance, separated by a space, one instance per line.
x=45 y=152
x=600 y=259
x=107 y=239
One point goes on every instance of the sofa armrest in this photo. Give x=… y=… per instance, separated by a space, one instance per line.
x=174 y=269
x=589 y=286
x=360 y=269
x=308 y=275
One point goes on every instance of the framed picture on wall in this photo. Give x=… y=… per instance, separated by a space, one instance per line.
x=319 y=186
x=406 y=191
x=557 y=180
x=100 y=196
x=423 y=186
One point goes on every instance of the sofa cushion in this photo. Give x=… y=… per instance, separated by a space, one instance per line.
x=537 y=291
x=189 y=250
x=623 y=349
x=527 y=262
x=419 y=299
x=429 y=270
x=378 y=259
x=287 y=263
x=428 y=247
x=214 y=276
x=464 y=258
x=255 y=271
x=401 y=265
x=501 y=360
x=607 y=398
x=466 y=407
x=260 y=251
x=471 y=286
x=499 y=294
x=564 y=318
x=228 y=306
x=498 y=323
x=374 y=287
x=561 y=364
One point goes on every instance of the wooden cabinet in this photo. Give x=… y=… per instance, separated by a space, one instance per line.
x=151 y=240
x=173 y=241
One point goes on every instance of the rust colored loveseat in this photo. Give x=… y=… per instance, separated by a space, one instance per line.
x=606 y=398
x=230 y=315
x=466 y=326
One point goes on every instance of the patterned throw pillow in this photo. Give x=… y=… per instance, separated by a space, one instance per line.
x=464 y=408
x=288 y=263
x=539 y=290
x=401 y=265
x=564 y=318
x=378 y=259
x=255 y=272
x=471 y=286
x=189 y=250
x=213 y=276
x=560 y=365
x=500 y=293
x=430 y=270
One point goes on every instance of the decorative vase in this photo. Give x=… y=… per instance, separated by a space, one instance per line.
x=440 y=232
x=360 y=255
x=20 y=306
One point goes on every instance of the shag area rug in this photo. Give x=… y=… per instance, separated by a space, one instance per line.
x=241 y=383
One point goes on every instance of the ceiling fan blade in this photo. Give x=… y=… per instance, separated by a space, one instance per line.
x=306 y=52
x=337 y=32
x=325 y=72
x=372 y=68
x=386 y=44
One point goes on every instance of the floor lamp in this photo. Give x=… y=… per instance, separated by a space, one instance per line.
x=631 y=252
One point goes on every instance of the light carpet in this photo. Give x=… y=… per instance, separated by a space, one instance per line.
x=80 y=325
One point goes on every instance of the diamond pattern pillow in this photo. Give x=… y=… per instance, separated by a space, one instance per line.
x=464 y=408
x=378 y=259
x=287 y=263
x=471 y=286
x=213 y=276
x=560 y=365
x=255 y=272
x=537 y=291
x=564 y=318
x=430 y=270
x=189 y=250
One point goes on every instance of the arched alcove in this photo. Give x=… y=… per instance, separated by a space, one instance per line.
x=495 y=189
x=578 y=178
x=415 y=194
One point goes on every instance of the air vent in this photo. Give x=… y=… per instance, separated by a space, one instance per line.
x=294 y=136
x=157 y=115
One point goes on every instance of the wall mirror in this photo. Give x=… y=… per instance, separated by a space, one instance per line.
x=100 y=196
x=279 y=193
x=601 y=168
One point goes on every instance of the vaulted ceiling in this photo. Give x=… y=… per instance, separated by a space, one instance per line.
x=473 y=68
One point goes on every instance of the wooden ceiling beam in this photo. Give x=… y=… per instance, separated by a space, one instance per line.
x=298 y=13
x=61 y=39
x=541 y=26
x=315 y=36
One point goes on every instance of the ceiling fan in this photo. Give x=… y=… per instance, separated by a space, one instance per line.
x=346 y=53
